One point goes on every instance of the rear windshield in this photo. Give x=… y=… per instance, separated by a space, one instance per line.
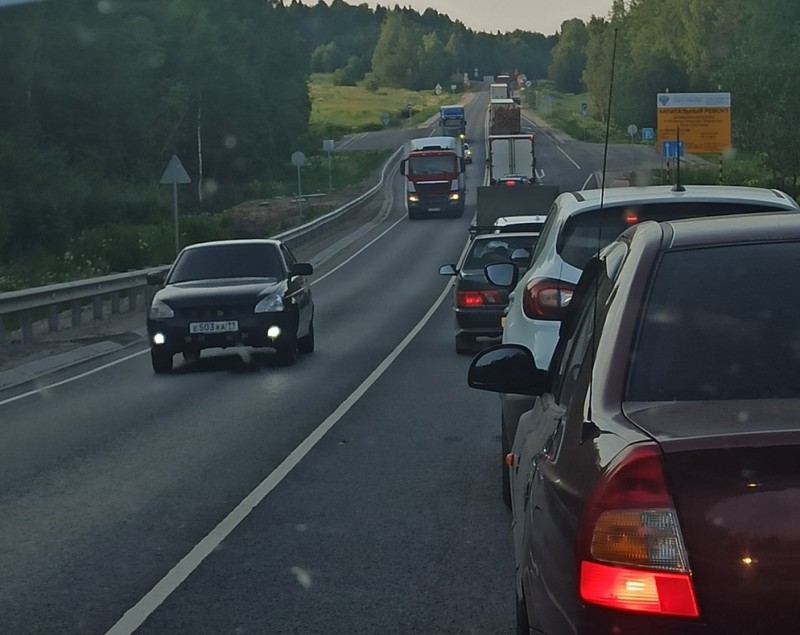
x=228 y=261
x=499 y=249
x=720 y=323
x=586 y=233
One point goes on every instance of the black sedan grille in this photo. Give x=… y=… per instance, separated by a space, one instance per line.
x=209 y=313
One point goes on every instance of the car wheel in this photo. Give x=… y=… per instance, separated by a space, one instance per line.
x=162 y=361
x=465 y=344
x=523 y=624
x=505 y=448
x=287 y=352
x=306 y=343
x=191 y=355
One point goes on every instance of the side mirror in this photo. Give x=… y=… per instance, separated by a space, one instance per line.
x=520 y=255
x=502 y=274
x=507 y=368
x=302 y=269
x=448 y=270
x=461 y=164
x=403 y=166
x=155 y=278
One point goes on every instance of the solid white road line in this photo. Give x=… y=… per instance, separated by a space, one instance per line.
x=135 y=617
x=561 y=150
x=586 y=182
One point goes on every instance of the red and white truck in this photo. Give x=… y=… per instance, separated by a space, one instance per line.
x=434 y=171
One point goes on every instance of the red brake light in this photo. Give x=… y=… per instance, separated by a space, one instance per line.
x=631 y=218
x=510 y=182
x=546 y=298
x=468 y=299
x=632 y=552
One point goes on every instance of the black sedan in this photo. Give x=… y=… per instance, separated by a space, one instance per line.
x=655 y=483
x=478 y=304
x=222 y=294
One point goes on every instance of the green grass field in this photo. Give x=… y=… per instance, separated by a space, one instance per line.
x=348 y=109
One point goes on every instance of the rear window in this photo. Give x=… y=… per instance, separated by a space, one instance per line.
x=228 y=261
x=497 y=249
x=584 y=234
x=720 y=323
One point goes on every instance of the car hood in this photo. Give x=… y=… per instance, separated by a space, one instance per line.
x=222 y=291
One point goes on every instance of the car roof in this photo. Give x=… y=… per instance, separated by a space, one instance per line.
x=243 y=241
x=517 y=220
x=738 y=228
x=570 y=203
x=500 y=235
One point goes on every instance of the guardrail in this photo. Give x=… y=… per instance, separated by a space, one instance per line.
x=124 y=291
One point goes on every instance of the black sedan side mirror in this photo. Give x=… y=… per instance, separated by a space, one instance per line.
x=508 y=368
x=155 y=278
x=302 y=269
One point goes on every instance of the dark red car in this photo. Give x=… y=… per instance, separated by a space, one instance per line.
x=656 y=482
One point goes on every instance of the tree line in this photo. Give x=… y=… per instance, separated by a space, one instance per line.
x=746 y=48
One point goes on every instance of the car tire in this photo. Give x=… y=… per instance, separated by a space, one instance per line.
x=465 y=344
x=287 y=352
x=306 y=343
x=505 y=448
x=523 y=623
x=161 y=360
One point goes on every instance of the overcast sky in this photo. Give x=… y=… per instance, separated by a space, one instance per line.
x=542 y=16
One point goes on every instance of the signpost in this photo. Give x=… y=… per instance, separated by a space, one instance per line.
x=453 y=88
x=704 y=120
x=438 y=89
x=298 y=159
x=584 y=109
x=327 y=146
x=410 y=107
x=385 y=119
x=175 y=173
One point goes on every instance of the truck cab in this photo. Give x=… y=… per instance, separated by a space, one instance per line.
x=435 y=181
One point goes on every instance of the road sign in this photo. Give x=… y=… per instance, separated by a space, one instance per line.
x=632 y=129
x=174 y=172
x=703 y=119
x=648 y=134
x=466 y=76
x=298 y=158
x=529 y=83
x=672 y=149
x=475 y=72
x=453 y=87
x=385 y=119
x=584 y=108
x=327 y=145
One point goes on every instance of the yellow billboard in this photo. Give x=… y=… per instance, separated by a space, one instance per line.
x=703 y=120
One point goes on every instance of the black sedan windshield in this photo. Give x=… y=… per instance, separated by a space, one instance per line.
x=228 y=261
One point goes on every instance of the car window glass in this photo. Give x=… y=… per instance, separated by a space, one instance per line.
x=288 y=256
x=720 y=323
x=499 y=249
x=584 y=234
x=228 y=261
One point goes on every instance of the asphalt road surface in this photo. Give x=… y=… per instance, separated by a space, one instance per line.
x=355 y=492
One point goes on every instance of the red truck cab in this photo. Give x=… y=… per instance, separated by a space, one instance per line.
x=434 y=171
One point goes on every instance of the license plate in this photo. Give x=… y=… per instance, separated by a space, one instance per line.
x=227 y=326
x=434 y=209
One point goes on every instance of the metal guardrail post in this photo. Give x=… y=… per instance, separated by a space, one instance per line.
x=77 y=309
x=97 y=308
x=27 y=328
x=52 y=318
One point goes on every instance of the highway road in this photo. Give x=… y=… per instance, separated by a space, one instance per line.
x=355 y=492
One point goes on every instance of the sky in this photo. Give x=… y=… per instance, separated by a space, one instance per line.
x=542 y=16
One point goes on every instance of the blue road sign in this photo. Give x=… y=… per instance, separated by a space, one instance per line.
x=648 y=134
x=671 y=149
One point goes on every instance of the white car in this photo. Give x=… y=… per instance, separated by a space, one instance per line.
x=526 y=223
x=577 y=227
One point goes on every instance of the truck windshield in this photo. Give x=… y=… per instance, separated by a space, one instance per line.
x=441 y=164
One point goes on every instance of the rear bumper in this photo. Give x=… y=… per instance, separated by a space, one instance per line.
x=482 y=322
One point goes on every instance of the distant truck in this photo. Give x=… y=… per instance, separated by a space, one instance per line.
x=531 y=204
x=504 y=117
x=452 y=121
x=435 y=181
x=511 y=154
x=499 y=91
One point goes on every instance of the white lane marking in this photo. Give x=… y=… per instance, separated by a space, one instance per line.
x=135 y=616
x=30 y=393
x=539 y=174
x=586 y=182
x=561 y=150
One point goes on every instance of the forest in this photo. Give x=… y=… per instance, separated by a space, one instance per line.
x=98 y=95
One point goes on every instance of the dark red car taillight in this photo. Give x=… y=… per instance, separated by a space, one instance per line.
x=469 y=299
x=546 y=298
x=632 y=554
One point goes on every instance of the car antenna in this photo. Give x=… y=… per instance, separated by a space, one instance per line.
x=588 y=424
x=678 y=187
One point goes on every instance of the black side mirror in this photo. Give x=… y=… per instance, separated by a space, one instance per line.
x=403 y=167
x=155 y=278
x=302 y=269
x=507 y=368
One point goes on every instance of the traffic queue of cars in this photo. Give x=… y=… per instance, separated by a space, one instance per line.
x=652 y=476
